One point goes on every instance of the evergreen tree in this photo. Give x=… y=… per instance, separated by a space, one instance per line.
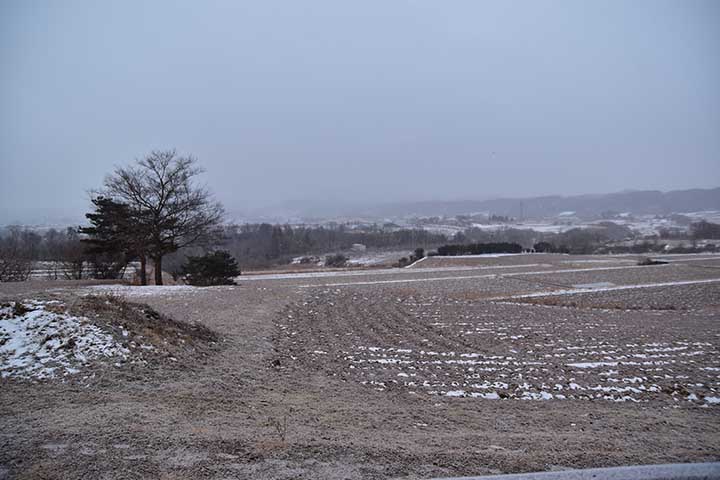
x=113 y=237
x=173 y=209
x=216 y=268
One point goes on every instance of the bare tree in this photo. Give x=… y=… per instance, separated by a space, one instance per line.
x=15 y=255
x=72 y=255
x=170 y=209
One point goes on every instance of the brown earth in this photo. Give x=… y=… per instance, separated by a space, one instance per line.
x=303 y=381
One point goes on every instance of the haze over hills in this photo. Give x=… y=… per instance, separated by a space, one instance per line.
x=636 y=202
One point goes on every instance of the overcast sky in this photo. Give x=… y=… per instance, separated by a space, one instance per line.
x=360 y=101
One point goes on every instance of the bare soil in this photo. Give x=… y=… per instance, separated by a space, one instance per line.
x=301 y=379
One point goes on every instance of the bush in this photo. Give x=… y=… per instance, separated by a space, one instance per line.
x=544 y=247
x=417 y=255
x=338 y=260
x=216 y=268
x=16 y=246
x=14 y=269
x=649 y=261
x=479 y=249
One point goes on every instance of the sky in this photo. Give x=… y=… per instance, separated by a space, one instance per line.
x=359 y=102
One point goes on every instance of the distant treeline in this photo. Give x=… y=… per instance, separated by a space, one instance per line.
x=253 y=245
x=576 y=240
x=647 y=247
x=479 y=249
x=63 y=251
x=49 y=245
x=263 y=245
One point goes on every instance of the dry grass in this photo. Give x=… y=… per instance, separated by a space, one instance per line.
x=143 y=320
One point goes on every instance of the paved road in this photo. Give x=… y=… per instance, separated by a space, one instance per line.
x=676 y=471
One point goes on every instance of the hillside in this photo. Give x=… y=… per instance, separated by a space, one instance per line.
x=637 y=202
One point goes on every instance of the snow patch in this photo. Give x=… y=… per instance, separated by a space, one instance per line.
x=594 y=285
x=592 y=364
x=613 y=289
x=38 y=343
x=140 y=291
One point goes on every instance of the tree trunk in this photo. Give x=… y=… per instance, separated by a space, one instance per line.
x=157 y=261
x=143 y=270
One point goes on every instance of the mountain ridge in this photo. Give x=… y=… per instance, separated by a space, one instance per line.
x=636 y=202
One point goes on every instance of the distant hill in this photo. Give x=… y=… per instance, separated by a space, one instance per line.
x=637 y=202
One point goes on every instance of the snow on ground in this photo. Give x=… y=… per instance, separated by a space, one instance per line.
x=467 y=277
x=49 y=270
x=708 y=215
x=594 y=285
x=140 y=291
x=538 y=227
x=597 y=260
x=644 y=224
x=423 y=371
x=36 y=341
x=416 y=262
x=487 y=255
x=612 y=289
x=447 y=230
x=438 y=345
x=688 y=257
x=384 y=271
x=366 y=258
x=372 y=258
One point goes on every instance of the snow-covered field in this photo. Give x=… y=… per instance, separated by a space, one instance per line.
x=609 y=287
x=39 y=340
x=604 y=332
x=627 y=372
x=373 y=258
x=491 y=255
x=48 y=270
x=538 y=227
x=367 y=258
x=643 y=224
x=521 y=352
x=378 y=272
x=712 y=216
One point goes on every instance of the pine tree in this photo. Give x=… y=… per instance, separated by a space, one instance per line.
x=114 y=237
x=216 y=268
x=173 y=209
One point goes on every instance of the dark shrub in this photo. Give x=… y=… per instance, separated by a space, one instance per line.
x=216 y=268
x=649 y=261
x=479 y=249
x=338 y=260
x=544 y=247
